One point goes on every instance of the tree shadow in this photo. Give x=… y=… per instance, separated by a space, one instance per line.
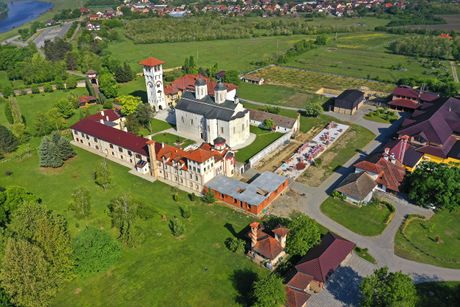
x=344 y=286
x=438 y=294
x=243 y=281
x=231 y=229
x=141 y=94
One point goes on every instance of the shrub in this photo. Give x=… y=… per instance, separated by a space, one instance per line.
x=94 y=250
x=338 y=195
x=9 y=113
x=177 y=227
x=47 y=88
x=146 y=212
x=107 y=104
x=186 y=212
x=209 y=197
x=234 y=244
x=175 y=197
x=35 y=89
x=8 y=142
x=191 y=196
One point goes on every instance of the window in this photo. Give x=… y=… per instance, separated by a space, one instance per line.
x=234 y=129
x=77 y=139
x=196 y=178
x=182 y=118
x=113 y=154
x=97 y=147
x=120 y=149
x=221 y=129
x=191 y=122
x=242 y=127
x=95 y=140
x=130 y=153
x=111 y=146
x=121 y=157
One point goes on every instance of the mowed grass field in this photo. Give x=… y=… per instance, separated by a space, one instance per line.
x=234 y=54
x=368 y=220
x=423 y=244
x=361 y=55
x=193 y=270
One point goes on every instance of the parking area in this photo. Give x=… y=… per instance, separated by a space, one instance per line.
x=342 y=289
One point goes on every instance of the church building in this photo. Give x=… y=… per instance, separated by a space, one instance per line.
x=200 y=115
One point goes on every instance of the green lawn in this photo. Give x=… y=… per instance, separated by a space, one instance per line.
x=229 y=54
x=194 y=270
x=158 y=125
x=135 y=87
x=364 y=253
x=172 y=139
x=368 y=220
x=423 y=245
x=263 y=139
x=382 y=115
x=4 y=81
x=277 y=95
x=439 y=294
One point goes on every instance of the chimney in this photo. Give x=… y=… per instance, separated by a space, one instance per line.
x=254 y=228
x=392 y=158
x=101 y=121
x=102 y=113
x=107 y=118
x=125 y=129
x=386 y=153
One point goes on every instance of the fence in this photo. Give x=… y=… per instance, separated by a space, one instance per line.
x=270 y=148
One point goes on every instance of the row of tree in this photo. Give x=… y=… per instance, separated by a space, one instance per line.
x=426 y=46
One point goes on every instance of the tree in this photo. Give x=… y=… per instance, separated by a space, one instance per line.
x=268 y=124
x=38 y=255
x=94 y=250
x=124 y=73
x=429 y=177
x=56 y=49
x=71 y=60
x=8 y=142
x=108 y=85
x=384 y=288
x=186 y=212
x=80 y=203
x=24 y=268
x=12 y=198
x=71 y=82
x=102 y=175
x=321 y=40
x=269 y=291
x=209 y=198
x=231 y=76
x=304 y=233
x=49 y=154
x=177 y=227
x=144 y=114
x=65 y=108
x=312 y=110
x=123 y=211
x=129 y=104
x=234 y=244
x=54 y=150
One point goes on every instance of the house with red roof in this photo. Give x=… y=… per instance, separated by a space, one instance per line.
x=433 y=130
x=408 y=99
x=378 y=172
x=267 y=248
x=315 y=269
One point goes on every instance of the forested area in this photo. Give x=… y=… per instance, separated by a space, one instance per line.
x=143 y=31
x=426 y=46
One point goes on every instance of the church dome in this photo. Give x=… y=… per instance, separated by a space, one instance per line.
x=200 y=82
x=220 y=87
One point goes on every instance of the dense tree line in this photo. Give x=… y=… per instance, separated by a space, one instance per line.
x=55 y=50
x=426 y=46
x=207 y=28
x=3 y=8
x=54 y=150
x=442 y=178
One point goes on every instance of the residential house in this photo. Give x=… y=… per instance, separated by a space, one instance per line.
x=253 y=79
x=315 y=269
x=348 y=102
x=281 y=123
x=265 y=248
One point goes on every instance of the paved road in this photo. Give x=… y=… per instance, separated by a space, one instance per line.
x=51 y=33
x=382 y=246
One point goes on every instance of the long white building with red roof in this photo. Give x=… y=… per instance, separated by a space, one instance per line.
x=189 y=170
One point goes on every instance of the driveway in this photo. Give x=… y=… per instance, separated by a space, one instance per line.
x=342 y=288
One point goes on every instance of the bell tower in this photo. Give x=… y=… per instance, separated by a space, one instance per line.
x=153 y=73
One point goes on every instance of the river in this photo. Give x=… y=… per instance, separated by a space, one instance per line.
x=22 y=11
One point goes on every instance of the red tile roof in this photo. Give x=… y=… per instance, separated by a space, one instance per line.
x=112 y=135
x=187 y=83
x=322 y=260
x=389 y=174
x=404 y=103
x=296 y=298
x=300 y=281
x=86 y=99
x=369 y=167
x=281 y=231
x=151 y=62
x=268 y=247
x=200 y=155
x=111 y=115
